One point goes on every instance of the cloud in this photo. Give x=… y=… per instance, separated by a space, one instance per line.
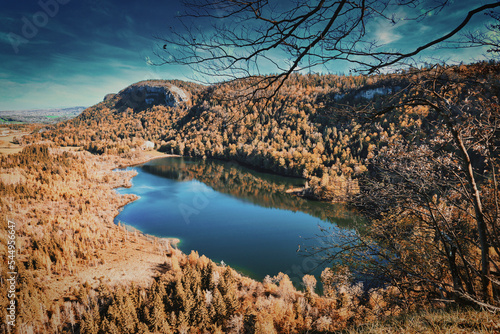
x=88 y=49
x=386 y=31
x=386 y=34
x=81 y=90
x=94 y=47
x=68 y=81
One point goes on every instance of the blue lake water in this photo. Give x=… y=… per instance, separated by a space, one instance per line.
x=234 y=214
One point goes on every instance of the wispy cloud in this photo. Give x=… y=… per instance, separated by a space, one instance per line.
x=93 y=47
x=386 y=33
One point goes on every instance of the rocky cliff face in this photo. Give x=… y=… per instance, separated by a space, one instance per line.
x=150 y=93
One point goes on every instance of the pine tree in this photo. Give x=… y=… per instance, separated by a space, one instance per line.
x=123 y=313
x=200 y=316
x=109 y=327
x=178 y=296
x=207 y=282
x=227 y=288
x=91 y=321
x=157 y=317
x=219 y=307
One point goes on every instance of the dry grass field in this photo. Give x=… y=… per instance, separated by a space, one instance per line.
x=7 y=135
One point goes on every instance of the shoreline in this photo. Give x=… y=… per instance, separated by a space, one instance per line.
x=149 y=157
x=170 y=241
x=173 y=241
x=131 y=258
x=78 y=210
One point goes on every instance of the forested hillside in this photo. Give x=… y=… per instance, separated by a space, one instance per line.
x=315 y=127
x=417 y=151
x=302 y=131
x=78 y=272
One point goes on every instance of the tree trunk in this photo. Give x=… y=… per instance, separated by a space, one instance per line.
x=487 y=288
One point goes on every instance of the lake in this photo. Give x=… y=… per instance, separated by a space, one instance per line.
x=233 y=214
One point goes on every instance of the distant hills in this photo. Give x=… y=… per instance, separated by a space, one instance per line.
x=46 y=116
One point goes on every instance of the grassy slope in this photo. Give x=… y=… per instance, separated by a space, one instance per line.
x=452 y=321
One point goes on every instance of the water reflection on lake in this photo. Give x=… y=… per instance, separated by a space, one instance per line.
x=233 y=214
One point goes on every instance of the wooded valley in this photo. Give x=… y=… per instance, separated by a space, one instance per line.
x=415 y=151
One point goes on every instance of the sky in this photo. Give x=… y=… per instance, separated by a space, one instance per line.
x=66 y=53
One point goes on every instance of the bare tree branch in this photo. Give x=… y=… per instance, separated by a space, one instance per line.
x=248 y=38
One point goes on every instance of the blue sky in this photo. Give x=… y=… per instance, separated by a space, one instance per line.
x=73 y=52
x=87 y=49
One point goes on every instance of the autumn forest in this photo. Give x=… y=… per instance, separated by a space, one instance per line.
x=414 y=151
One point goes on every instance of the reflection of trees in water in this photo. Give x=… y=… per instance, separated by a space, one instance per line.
x=265 y=190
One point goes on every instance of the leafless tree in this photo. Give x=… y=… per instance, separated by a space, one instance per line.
x=434 y=195
x=439 y=184
x=242 y=39
x=487 y=38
